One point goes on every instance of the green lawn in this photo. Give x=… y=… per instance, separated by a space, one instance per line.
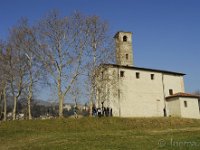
x=101 y=134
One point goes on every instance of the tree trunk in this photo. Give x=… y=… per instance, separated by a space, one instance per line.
x=5 y=103
x=61 y=98
x=90 y=108
x=91 y=101
x=1 y=106
x=29 y=101
x=30 y=92
x=14 y=108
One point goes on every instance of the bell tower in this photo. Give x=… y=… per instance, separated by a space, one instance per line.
x=124 y=51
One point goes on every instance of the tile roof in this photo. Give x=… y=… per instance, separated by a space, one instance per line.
x=145 y=69
x=181 y=94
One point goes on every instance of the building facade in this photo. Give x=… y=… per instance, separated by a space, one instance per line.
x=141 y=92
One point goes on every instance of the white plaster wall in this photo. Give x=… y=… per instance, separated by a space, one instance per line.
x=174 y=82
x=173 y=107
x=141 y=97
x=114 y=86
x=192 y=109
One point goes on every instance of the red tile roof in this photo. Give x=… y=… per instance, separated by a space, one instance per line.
x=181 y=94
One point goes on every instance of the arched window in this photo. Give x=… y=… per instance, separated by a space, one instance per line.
x=124 y=38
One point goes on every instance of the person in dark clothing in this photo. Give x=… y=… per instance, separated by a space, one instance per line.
x=165 y=113
x=107 y=111
x=99 y=112
x=94 y=111
x=111 y=112
x=104 y=111
x=2 y=116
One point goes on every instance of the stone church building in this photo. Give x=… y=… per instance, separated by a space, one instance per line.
x=132 y=91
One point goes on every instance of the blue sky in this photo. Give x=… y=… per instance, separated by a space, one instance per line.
x=166 y=33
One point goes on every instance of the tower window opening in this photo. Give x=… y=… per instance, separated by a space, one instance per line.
x=126 y=56
x=125 y=38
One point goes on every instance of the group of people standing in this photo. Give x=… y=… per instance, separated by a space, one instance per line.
x=100 y=112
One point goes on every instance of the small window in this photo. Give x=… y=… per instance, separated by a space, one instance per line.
x=102 y=75
x=121 y=73
x=126 y=56
x=137 y=75
x=185 y=103
x=125 y=38
x=152 y=76
x=170 y=92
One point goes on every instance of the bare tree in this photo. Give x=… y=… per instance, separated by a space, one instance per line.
x=4 y=77
x=99 y=50
x=64 y=46
x=29 y=44
x=3 y=82
x=197 y=92
x=62 y=41
x=17 y=62
x=24 y=40
x=107 y=83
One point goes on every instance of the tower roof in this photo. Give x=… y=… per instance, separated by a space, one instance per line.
x=117 y=34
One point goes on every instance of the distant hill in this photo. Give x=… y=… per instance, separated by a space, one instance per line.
x=35 y=101
x=44 y=103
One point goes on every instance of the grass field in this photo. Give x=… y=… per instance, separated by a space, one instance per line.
x=101 y=134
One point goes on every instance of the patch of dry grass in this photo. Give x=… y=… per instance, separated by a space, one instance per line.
x=98 y=133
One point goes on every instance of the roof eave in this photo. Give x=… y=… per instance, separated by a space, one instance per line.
x=146 y=69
